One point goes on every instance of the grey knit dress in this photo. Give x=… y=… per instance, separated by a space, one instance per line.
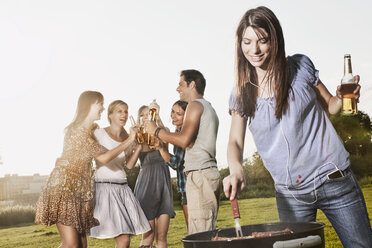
x=153 y=188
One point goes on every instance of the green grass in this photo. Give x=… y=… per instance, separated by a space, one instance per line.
x=253 y=211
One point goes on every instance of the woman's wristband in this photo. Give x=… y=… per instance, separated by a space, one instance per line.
x=157 y=132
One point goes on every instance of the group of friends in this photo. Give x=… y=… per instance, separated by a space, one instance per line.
x=285 y=106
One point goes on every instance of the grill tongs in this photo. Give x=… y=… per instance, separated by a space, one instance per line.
x=235 y=209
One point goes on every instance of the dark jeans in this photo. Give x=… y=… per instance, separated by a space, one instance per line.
x=341 y=200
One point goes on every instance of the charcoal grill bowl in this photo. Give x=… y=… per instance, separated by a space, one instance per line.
x=300 y=230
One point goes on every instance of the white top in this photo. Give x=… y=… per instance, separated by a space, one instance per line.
x=113 y=170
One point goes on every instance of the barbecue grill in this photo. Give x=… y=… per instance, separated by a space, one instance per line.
x=305 y=234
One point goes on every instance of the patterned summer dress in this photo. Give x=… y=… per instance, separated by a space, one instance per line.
x=68 y=195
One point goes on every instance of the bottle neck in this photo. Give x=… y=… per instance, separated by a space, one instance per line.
x=348 y=74
x=347 y=66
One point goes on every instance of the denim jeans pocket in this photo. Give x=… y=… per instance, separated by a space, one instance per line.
x=336 y=189
x=347 y=174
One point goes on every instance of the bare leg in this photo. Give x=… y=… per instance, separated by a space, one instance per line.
x=122 y=241
x=162 y=224
x=186 y=214
x=69 y=235
x=83 y=241
x=148 y=237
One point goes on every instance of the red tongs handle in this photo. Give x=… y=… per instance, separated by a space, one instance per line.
x=235 y=208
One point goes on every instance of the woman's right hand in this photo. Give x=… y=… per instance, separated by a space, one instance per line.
x=133 y=132
x=234 y=183
x=155 y=105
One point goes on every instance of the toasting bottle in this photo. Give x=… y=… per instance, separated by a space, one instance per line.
x=152 y=116
x=349 y=103
x=139 y=136
x=142 y=130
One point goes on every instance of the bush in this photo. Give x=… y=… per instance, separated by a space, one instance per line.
x=132 y=175
x=13 y=215
x=361 y=165
x=364 y=181
x=259 y=181
x=176 y=195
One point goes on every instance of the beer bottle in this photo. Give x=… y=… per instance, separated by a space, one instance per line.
x=152 y=116
x=142 y=131
x=152 y=110
x=349 y=103
x=139 y=136
x=132 y=121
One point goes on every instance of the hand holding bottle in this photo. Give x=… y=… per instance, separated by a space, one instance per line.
x=150 y=126
x=340 y=91
x=349 y=89
x=138 y=130
x=133 y=133
x=154 y=107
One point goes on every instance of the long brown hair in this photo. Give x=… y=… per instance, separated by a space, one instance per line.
x=86 y=99
x=277 y=70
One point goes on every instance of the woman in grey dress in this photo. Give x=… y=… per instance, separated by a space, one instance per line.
x=154 y=192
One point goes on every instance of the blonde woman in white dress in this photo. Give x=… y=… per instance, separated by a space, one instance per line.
x=118 y=211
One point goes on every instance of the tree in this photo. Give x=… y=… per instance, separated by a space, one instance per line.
x=259 y=180
x=356 y=133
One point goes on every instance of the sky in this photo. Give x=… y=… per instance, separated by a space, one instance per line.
x=51 y=51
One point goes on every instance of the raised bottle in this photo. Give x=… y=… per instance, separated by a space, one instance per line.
x=152 y=116
x=349 y=103
x=152 y=111
x=139 y=136
x=142 y=131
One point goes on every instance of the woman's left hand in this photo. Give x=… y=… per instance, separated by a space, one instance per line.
x=356 y=92
x=155 y=106
x=150 y=126
x=158 y=144
x=133 y=132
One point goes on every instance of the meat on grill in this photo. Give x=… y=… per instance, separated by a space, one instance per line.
x=257 y=235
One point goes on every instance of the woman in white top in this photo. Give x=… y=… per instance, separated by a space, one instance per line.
x=118 y=211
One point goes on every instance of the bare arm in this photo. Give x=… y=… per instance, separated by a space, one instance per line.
x=106 y=157
x=235 y=182
x=164 y=152
x=332 y=104
x=131 y=162
x=189 y=129
x=162 y=147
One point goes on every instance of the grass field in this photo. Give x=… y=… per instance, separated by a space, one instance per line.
x=253 y=211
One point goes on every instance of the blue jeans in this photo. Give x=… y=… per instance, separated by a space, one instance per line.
x=341 y=200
